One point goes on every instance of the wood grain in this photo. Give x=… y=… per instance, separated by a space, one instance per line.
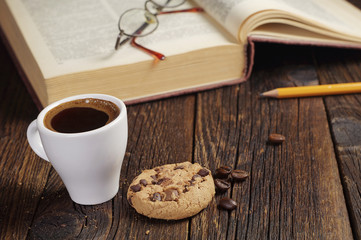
x=159 y=133
x=345 y=118
x=295 y=184
x=306 y=188
x=22 y=175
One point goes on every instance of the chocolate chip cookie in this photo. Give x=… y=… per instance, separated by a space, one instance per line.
x=172 y=191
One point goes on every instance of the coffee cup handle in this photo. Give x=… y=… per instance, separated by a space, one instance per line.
x=35 y=141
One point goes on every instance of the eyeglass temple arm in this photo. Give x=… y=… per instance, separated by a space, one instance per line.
x=154 y=54
x=195 y=9
x=119 y=43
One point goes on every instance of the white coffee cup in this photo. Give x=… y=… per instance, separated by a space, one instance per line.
x=89 y=163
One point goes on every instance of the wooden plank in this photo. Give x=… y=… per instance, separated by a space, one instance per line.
x=159 y=133
x=216 y=144
x=294 y=190
x=22 y=175
x=344 y=114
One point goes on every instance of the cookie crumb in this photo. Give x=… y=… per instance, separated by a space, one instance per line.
x=147 y=232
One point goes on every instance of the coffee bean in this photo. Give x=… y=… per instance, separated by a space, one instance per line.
x=221 y=185
x=143 y=182
x=226 y=168
x=136 y=188
x=203 y=172
x=276 y=138
x=223 y=172
x=239 y=175
x=227 y=204
x=156 y=197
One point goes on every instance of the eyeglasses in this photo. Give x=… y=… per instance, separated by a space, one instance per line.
x=139 y=22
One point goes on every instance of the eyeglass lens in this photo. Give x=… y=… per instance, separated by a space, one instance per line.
x=138 y=22
x=167 y=3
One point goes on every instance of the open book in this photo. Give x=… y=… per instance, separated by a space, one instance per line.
x=67 y=47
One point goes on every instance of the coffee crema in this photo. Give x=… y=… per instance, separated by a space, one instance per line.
x=81 y=115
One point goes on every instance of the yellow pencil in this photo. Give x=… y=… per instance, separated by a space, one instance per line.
x=318 y=90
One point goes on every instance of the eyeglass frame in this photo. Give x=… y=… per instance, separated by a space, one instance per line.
x=132 y=37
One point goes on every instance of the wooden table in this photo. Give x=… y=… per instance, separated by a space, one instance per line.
x=307 y=188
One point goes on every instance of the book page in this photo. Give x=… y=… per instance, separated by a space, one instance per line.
x=80 y=35
x=233 y=13
x=334 y=15
x=286 y=33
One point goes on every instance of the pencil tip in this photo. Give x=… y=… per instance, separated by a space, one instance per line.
x=271 y=93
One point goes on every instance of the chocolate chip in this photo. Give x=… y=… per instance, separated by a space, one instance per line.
x=186 y=189
x=171 y=194
x=136 y=188
x=276 y=138
x=179 y=167
x=163 y=181
x=156 y=197
x=239 y=175
x=227 y=204
x=195 y=176
x=143 y=182
x=203 y=172
x=154 y=182
x=223 y=172
x=154 y=177
x=221 y=185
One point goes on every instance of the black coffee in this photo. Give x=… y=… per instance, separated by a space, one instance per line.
x=81 y=115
